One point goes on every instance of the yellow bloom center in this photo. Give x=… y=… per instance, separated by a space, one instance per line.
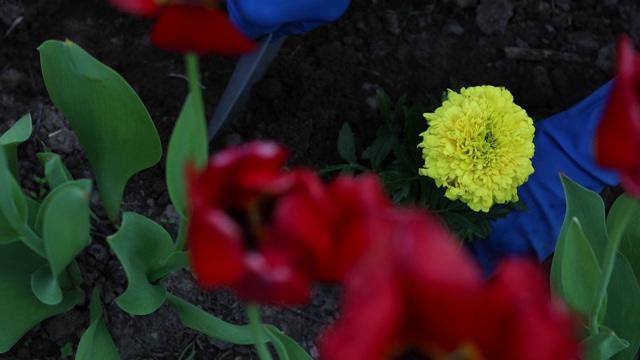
x=479 y=146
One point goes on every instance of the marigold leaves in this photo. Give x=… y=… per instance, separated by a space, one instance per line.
x=18 y=305
x=346 y=144
x=142 y=246
x=112 y=124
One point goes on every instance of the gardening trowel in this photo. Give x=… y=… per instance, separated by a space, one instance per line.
x=249 y=69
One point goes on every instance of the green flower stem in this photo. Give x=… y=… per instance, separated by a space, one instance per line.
x=610 y=254
x=193 y=74
x=182 y=234
x=253 y=313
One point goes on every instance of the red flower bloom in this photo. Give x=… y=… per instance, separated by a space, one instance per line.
x=417 y=293
x=618 y=136
x=268 y=233
x=198 y=28
x=229 y=205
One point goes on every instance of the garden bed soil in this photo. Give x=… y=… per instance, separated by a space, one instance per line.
x=549 y=54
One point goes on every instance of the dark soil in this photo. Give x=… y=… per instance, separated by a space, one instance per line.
x=549 y=54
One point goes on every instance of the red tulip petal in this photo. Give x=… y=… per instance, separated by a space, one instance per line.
x=617 y=142
x=136 y=7
x=199 y=29
x=216 y=248
x=269 y=281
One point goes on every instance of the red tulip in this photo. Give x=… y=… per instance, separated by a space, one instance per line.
x=618 y=135
x=200 y=28
x=230 y=204
x=269 y=233
x=417 y=293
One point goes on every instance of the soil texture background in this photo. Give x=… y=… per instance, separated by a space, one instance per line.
x=549 y=54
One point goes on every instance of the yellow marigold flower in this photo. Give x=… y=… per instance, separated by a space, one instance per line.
x=479 y=146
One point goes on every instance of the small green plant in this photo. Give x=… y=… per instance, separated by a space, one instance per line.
x=394 y=155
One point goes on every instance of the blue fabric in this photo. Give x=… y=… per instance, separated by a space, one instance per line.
x=563 y=144
x=283 y=17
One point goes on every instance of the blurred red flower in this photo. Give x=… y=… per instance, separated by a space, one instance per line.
x=268 y=233
x=418 y=294
x=197 y=27
x=617 y=142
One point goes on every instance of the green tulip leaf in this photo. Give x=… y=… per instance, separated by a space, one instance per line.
x=64 y=222
x=175 y=261
x=19 y=307
x=188 y=144
x=575 y=271
x=142 y=246
x=603 y=345
x=45 y=286
x=54 y=170
x=623 y=307
x=588 y=207
x=111 y=122
x=197 y=319
x=286 y=347
x=96 y=342
x=630 y=232
x=17 y=134
x=13 y=207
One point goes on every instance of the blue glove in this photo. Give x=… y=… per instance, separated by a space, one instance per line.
x=563 y=144
x=282 y=17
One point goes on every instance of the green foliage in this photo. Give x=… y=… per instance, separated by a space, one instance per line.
x=63 y=222
x=143 y=247
x=112 y=124
x=586 y=247
x=188 y=143
x=18 y=304
x=394 y=155
x=201 y=321
x=66 y=351
x=96 y=342
x=10 y=140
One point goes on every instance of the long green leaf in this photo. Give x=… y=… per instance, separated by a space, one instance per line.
x=576 y=272
x=630 y=244
x=96 y=342
x=20 y=310
x=142 y=246
x=188 y=143
x=108 y=117
x=286 y=347
x=13 y=205
x=197 y=319
x=17 y=134
x=623 y=307
x=54 y=170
